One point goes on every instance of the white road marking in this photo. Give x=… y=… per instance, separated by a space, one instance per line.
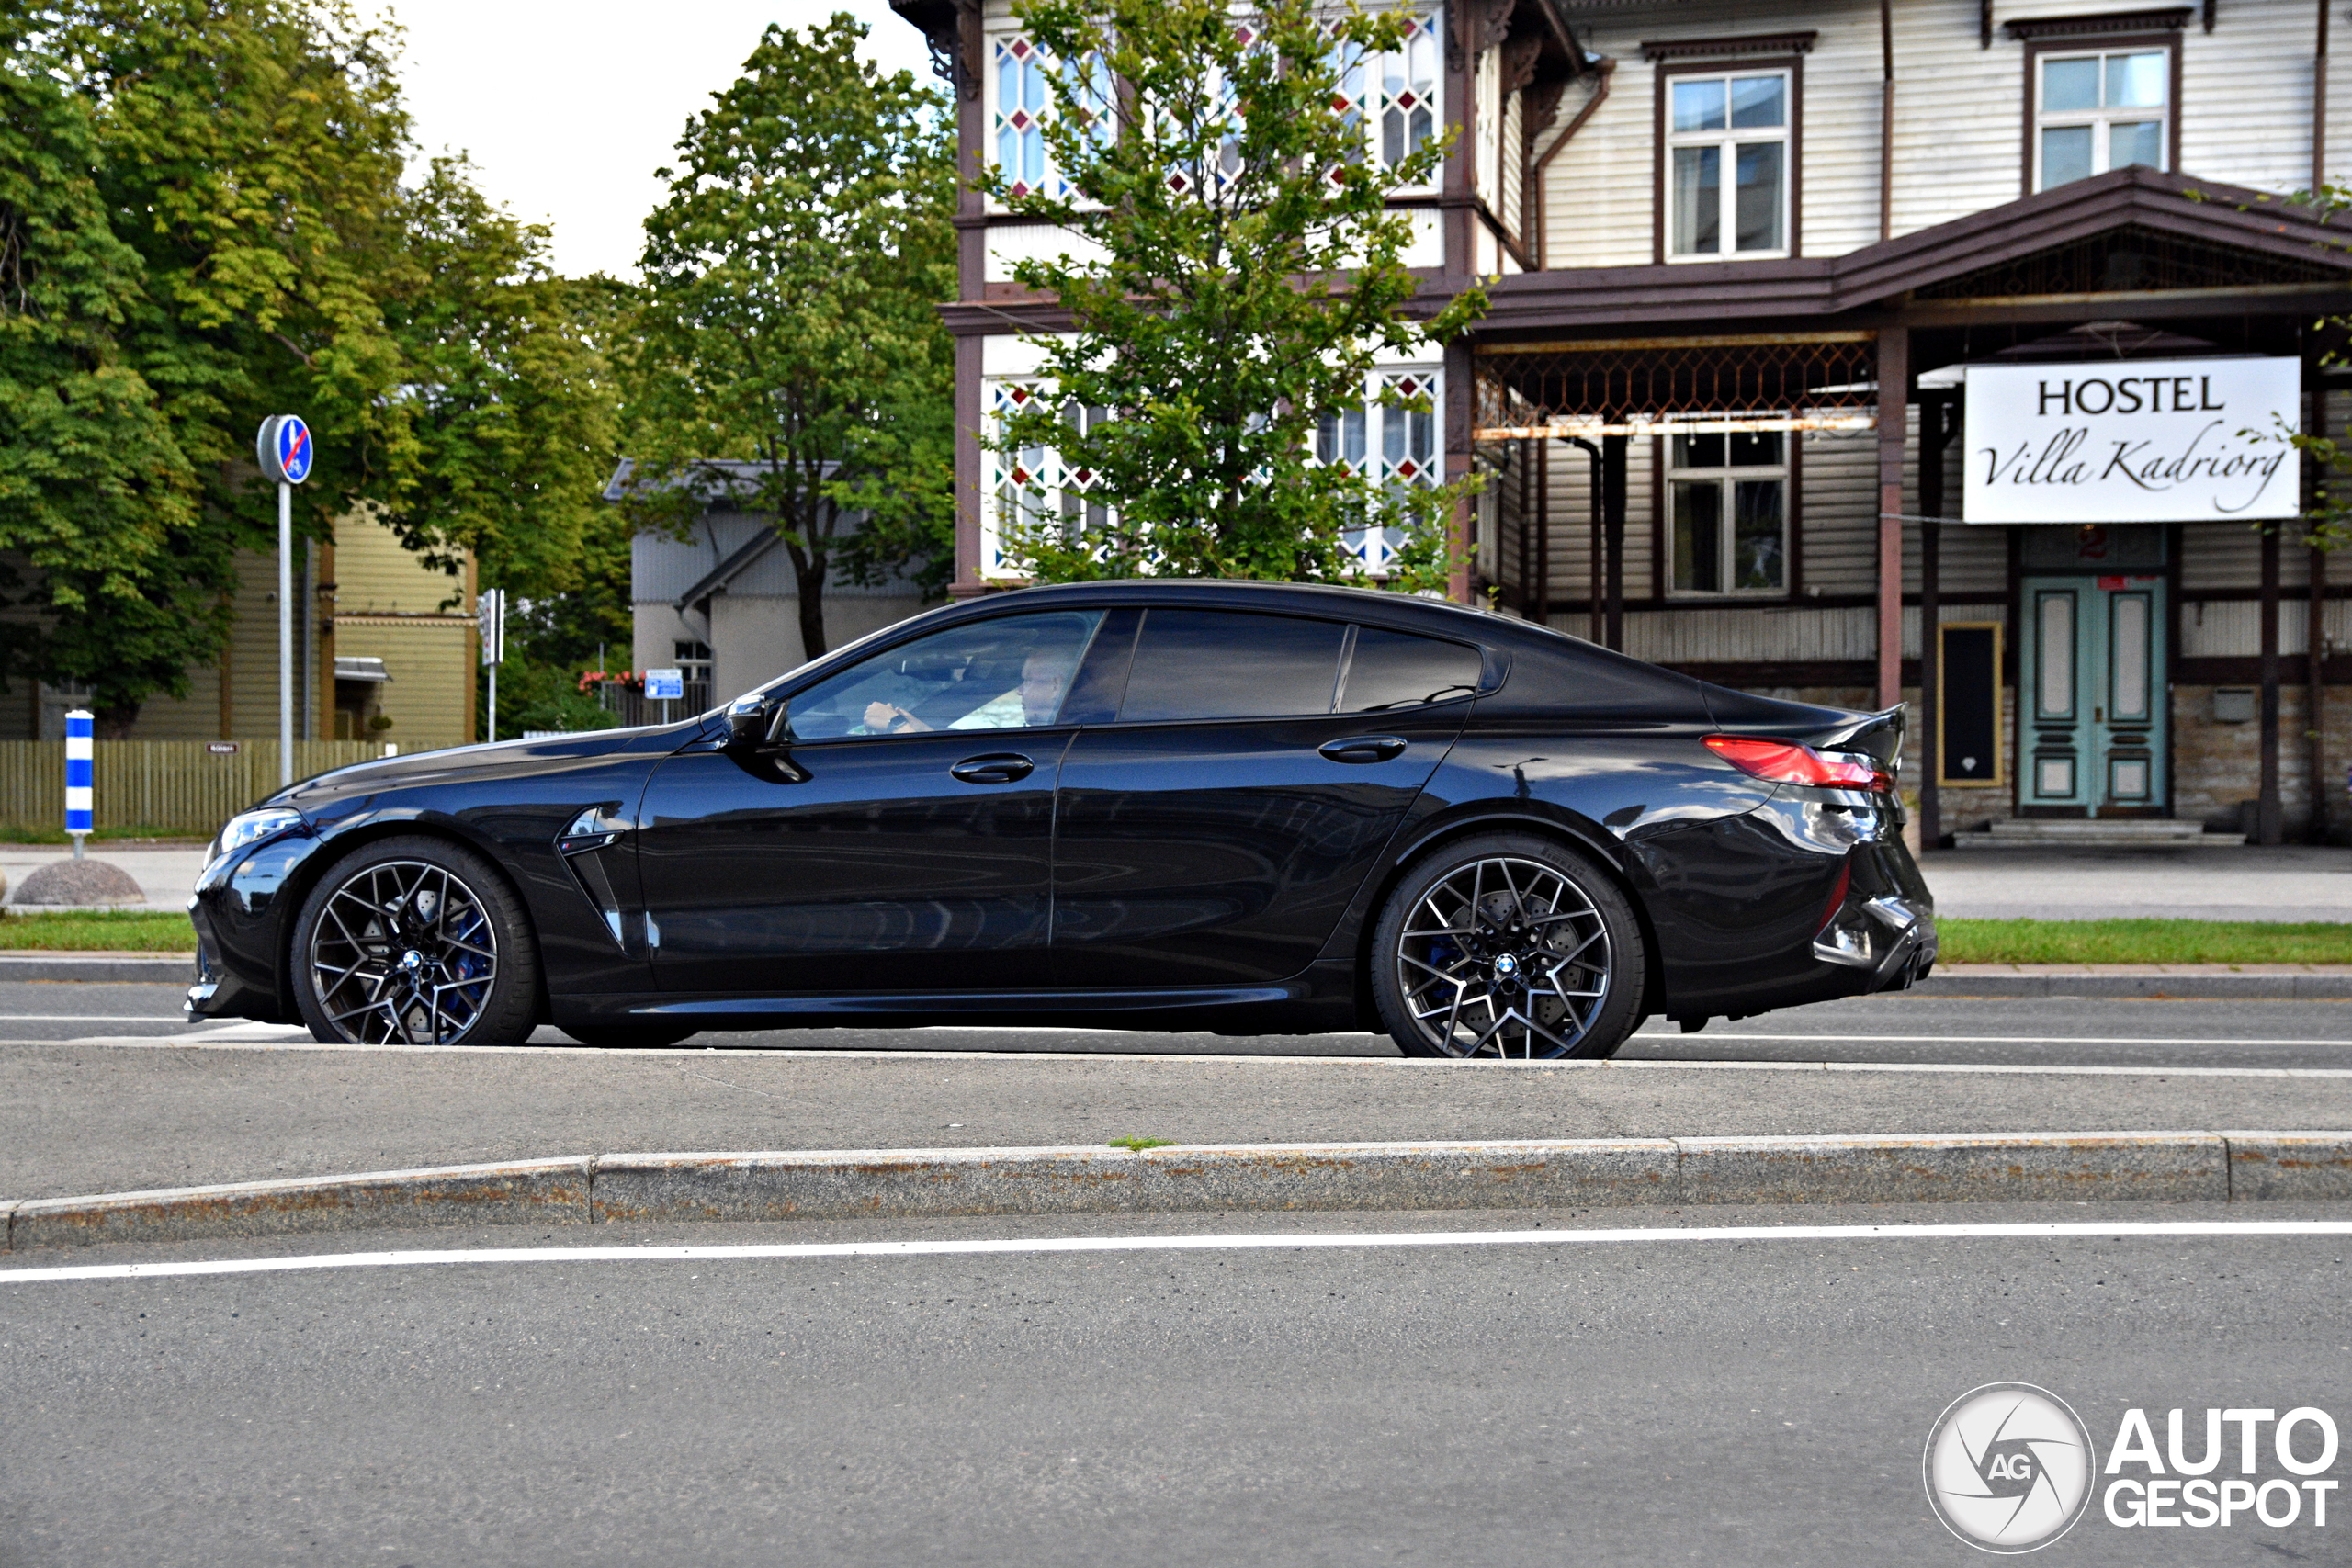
x=1323 y=1240
x=1999 y=1039
x=90 y=1018
x=297 y=1040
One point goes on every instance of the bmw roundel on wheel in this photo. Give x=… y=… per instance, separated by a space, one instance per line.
x=1234 y=807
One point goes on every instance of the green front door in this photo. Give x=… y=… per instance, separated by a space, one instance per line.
x=2092 y=706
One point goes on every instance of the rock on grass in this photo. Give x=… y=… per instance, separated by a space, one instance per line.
x=78 y=882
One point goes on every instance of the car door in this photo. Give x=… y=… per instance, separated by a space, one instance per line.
x=1214 y=831
x=897 y=838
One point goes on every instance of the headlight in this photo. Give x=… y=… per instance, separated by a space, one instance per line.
x=250 y=826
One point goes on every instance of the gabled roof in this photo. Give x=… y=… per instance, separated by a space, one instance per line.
x=2286 y=241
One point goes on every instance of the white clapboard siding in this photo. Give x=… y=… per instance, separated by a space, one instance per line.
x=1959 y=123
x=1776 y=634
x=1946 y=614
x=1841 y=510
x=2231 y=628
x=2228 y=555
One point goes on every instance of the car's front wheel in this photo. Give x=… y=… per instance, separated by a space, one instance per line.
x=415 y=941
x=1508 y=947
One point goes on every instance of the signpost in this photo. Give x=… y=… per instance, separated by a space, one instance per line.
x=2134 y=441
x=489 y=610
x=78 y=777
x=282 y=446
x=665 y=686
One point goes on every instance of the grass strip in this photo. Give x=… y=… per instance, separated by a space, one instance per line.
x=2143 y=941
x=97 y=931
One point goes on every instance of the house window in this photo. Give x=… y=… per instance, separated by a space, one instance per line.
x=1729 y=155
x=1021 y=101
x=2098 y=112
x=1730 y=512
x=1030 y=485
x=693 y=661
x=1019 y=113
x=1391 y=445
x=1399 y=95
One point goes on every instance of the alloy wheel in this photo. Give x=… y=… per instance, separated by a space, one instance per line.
x=403 y=953
x=1504 y=957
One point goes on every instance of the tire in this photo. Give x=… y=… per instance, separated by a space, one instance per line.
x=415 y=941
x=1457 y=940
x=628 y=1036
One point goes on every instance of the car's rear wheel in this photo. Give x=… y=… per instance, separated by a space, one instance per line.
x=1508 y=947
x=415 y=941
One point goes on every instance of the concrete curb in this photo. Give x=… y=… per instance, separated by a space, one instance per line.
x=2250 y=982
x=546 y=1191
x=2218 y=1166
x=173 y=968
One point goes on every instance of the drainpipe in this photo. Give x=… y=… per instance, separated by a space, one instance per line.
x=1608 y=69
x=1886 y=116
x=2319 y=103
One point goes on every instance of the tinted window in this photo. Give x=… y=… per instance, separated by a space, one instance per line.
x=1215 y=664
x=1003 y=674
x=1395 y=670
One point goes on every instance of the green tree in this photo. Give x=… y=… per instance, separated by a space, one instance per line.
x=511 y=404
x=95 y=491
x=249 y=154
x=1236 y=274
x=790 y=318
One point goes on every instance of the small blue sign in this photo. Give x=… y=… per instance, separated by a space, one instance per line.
x=78 y=761
x=665 y=685
x=284 y=449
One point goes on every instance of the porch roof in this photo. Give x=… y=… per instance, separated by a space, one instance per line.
x=2303 y=257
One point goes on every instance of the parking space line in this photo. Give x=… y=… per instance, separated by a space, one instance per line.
x=1249 y=1242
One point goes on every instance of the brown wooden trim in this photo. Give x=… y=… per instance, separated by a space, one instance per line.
x=2170 y=18
x=2294 y=670
x=968 y=466
x=1694 y=603
x=1857 y=672
x=1793 y=64
x=2043 y=43
x=1656 y=50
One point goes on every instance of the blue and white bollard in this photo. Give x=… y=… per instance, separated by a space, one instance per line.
x=78 y=756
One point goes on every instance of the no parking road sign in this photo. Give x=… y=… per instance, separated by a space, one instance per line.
x=283 y=449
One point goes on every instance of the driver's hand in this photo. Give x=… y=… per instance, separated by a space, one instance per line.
x=880 y=716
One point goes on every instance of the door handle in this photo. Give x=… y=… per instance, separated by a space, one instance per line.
x=1363 y=749
x=998 y=767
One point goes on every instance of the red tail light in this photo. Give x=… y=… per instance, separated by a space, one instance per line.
x=1784 y=762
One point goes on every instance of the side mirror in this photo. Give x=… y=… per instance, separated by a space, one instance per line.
x=753 y=719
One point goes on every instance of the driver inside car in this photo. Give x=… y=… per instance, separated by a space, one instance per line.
x=1045 y=677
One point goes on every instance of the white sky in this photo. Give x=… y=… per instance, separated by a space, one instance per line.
x=569 y=106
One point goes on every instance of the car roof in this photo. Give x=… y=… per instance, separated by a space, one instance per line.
x=1436 y=616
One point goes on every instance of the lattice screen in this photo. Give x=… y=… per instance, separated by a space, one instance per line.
x=1640 y=387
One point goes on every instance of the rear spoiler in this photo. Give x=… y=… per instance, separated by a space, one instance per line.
x=1878 y=734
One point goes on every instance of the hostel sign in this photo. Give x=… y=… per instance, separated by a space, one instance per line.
x=2132 y=441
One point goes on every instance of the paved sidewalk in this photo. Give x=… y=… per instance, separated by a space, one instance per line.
x=2293 y=883
x=79 y=1118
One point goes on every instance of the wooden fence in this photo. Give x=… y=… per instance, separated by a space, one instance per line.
x=174 y=786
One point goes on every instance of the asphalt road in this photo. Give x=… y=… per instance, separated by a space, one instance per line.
x=1744 y=1400
x=1898 y=1028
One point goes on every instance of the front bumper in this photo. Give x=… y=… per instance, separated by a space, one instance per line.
x=241 y=908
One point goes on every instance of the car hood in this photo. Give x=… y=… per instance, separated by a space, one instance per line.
x=485 y=761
